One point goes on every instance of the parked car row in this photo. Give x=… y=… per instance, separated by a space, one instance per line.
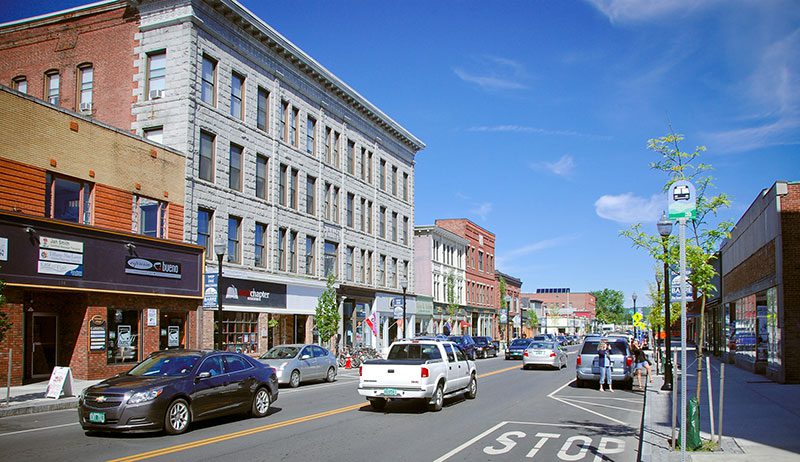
x=474 y=347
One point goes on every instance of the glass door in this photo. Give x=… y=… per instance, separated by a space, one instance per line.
x=44 y=346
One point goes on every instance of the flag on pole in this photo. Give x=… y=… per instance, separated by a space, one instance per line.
x=372 y=321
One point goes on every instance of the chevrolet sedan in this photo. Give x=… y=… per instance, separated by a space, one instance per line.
x=300 y=363
x=171 y=389
x=544 y=354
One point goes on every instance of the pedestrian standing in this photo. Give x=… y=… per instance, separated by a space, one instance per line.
x=640 y=360
x=604 y=362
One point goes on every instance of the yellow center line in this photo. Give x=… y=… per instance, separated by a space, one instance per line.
x=252 y=431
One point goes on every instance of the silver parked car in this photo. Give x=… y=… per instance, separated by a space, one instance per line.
x=587 y=368
x=299 y=363
x=541 y=353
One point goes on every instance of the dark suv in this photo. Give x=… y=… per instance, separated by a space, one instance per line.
x=466 y=344
x=485 y=347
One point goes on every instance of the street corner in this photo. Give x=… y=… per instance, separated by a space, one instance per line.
x=548 y=442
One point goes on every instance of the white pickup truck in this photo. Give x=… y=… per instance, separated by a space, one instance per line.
x=427 y=370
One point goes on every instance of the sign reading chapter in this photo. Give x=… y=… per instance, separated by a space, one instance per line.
x=243 y=292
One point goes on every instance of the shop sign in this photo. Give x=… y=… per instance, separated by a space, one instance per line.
x=97 y=333
x=60 y=382
x=152 y=317
x=242 y=292
x=124 y=337
x=152 y=267
x=55 y=243
x=61 y=269
x=3 y=249
x=398 y=312
x=397 y=301
x=210 y=292
x=59 y=256
x=173 y=336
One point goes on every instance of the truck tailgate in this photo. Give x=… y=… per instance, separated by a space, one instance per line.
x=391 y=375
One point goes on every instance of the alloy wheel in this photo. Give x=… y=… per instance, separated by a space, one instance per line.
x=262 y=402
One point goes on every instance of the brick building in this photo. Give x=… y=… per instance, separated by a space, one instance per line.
x=482 y=302
x=563 y=311
x=96 y=274
x=292 y=171
x=760 y=295
x=512 y=302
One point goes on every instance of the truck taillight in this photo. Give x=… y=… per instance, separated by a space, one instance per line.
x=424 y=374
x=553 y=355
x=525 y=354
x=578 y=361
x=360 y=370
x=629 y=361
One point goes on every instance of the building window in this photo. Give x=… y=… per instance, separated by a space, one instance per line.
x=351 y=157
x=405 y=276
x=393 y=272
x=405 y=230
x=311 y=194
x=261 y=245
x=293 y=121
x=292 y=251
x=282 y=249
x=284 y=116
x=351 y=199
x=235 y=178
x=394 y=226
x=156 y=74
x=123 y=336
x=52 y=87
x=363 y=164
x=368 y=270
x=311 y=142
x=369 y=167
x=293 y=196
x=348 y=263
x=335 y=201
x=328 y=146
x=239 y=332
x=382 y=222
x=154 y=134
x=480 y=261
x=405 y=187
x=382 y=175
x=20 y=84
x=207 y=156
x=284 y=171
x=237 y=95
x=262 y=109
x=310 y=255
x=394 y=181
x=327 y=206
x=262 y=183
x=234 y=239
x=208 y=81
x=362 y=215
x=362 y=267
x=204 y=217
x=149 y=217
x=331 y=251
x=68 y=199
x=369 y=217
x=86 y=82
x=382 y=271
x=336 y=141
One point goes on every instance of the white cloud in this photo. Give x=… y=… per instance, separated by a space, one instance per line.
x=495 y=73
x=488 y=82
x=629 y=209
x=526 y=129
x=779 y=133
x=534 y=247
x=562 y=167
x=481 y=210
x=646 y=10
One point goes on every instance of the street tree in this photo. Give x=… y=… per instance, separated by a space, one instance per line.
x=532 y=320
x=327 y=312
x=452 y=305
x=609 y=306
x=705 y=232
x=501 y=290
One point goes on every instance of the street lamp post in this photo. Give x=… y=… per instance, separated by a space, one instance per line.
x=219 y=249
x=633 y=296
x=665 y=229
x=521 y=321
x=508 y=319
x=404 y=285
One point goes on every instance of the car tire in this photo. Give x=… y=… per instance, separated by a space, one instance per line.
x=178 y=417
x=525 y=367
x=437 y=400
x=261 y=403
x=331 y=375
x=294 y=379
x=580 y=383
x=378 y=404
x=472 y=388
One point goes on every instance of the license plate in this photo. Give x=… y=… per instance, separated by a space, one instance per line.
x=97 y=417
x=390 y=392
x=538 y=353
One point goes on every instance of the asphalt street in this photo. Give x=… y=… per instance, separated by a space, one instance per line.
x=518 y=414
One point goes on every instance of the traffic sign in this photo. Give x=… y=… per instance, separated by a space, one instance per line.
x=398 y=312
x=682 y=201
x=637 y=317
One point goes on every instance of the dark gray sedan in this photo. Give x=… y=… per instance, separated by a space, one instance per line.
x=299 y=363
x=171 y=389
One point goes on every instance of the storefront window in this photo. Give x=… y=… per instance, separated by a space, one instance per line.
x=773 y=329
x=123 y=336
x=745 y=328
x=172 y=331
x=240 y=331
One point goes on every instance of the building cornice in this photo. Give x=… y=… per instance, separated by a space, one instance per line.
x=443 y=233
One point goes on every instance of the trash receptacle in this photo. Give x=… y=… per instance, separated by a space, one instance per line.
x=693 y=440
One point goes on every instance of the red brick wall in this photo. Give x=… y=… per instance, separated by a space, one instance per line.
x=14 y=338
x=113 y=208
x=471 y=232
x=104 y=39
x=21 y=187
x=790 y=330
x=175 y=225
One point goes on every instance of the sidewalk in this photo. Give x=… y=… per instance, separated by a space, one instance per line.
x=29 y=399
x=761 y=418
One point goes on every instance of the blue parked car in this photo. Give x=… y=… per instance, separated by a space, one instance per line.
x=466 y=344
x=517 y=348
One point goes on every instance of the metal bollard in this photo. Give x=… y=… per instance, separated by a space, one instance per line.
x=710 y=396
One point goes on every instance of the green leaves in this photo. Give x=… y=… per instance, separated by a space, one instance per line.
x=452 y=306
x=610 y=306
x=327 y=312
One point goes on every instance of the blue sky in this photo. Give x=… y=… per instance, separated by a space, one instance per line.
x=536 y=113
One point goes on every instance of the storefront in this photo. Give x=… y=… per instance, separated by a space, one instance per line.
x=356 y=306
x=94 y=300
x=424 y=323
x=389 y=309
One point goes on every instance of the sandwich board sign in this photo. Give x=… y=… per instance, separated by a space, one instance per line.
x=682 y=201
x=60 y=381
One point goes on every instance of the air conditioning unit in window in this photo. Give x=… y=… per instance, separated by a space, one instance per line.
x=86 y=108
x=156 y=94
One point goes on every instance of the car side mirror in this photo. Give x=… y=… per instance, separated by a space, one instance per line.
x=202 y=375
x=305 y=357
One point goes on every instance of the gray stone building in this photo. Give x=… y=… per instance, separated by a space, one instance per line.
x=292 y=170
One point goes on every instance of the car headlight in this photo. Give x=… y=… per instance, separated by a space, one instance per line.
x=143 y=396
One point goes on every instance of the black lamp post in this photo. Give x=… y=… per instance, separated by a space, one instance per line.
x=521 y=320
x=633 y=296
x=508 y=319
x=404 y=286
x=665 y=229
x=219 y=249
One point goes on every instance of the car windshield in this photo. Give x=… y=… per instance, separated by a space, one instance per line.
x=480 y=341
x=414 y=351
x=541 y=346
x=519 y=342
x=616 y=348
x=281 y=352
x=456 y=338
x=165 y=366
x=539 y=338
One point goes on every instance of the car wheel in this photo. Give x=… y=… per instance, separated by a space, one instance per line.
x=294 y=379
x=437 y=401
x=177 y=417
x=331 y=376
x=472 y=389
x=628 y=384
x=261 y=402
x=378 y=404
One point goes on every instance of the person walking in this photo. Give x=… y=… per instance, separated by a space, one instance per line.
x=604 y=362
x=641 y=362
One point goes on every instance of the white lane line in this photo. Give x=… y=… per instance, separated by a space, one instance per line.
x=38 y=429
x=628 y=400
x=603 y=405
x=468 y=443
x=581 y=407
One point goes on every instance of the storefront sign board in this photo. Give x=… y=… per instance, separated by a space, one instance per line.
x=152 y=267
x=97 y=333
x=61 y=269
x=3 y=249
x=243 y=292
x=60 y=382
x=59 y=256
x=55 y=243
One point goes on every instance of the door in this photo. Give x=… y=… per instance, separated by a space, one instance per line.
x=44 y=344
x=462 y=369
x=309 y=367
x=210 y=394
x=242 y=380
x=453 y=375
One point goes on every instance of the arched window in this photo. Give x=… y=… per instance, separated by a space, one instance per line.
x=20 y=83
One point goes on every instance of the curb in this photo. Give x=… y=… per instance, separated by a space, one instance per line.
x=23 y=409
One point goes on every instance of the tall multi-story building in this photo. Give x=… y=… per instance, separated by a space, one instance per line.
x=563 y=311
x=96 y=274
x=481 y=286
x=289 y=170
x=439 y=268
x=512 y=303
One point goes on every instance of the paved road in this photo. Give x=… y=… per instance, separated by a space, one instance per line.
x=518 y=414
